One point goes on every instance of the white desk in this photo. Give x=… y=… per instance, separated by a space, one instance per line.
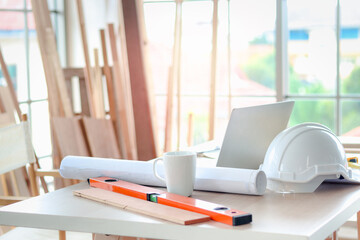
x=275 y=216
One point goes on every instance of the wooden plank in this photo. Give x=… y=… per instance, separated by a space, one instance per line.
x=178 y=67
x=79 y=75
x=50 y=57
x=70 y=137
x=6 y=200
x=213 y=71
x=9 y=83
x=7 y=104
x=125 y=74
x=41 y=22
x=2 y=106
x=125 y=133
x=100 y=134
x=98 y=87
x=176 y=64
x=169 y=113
x=141 y=206
x=22 y=187
x=42 y=179
x=149 y=78
x=145 y=138
x=58 y=98
x=72 y=72
x=85 y=108
x=69 y=89
x=88 y=72
x=51 y=173
x=352 y=150
x=15 y=183
x=190 y=135
x=5 y=189
x=108 y=77
x=32 y=179
x=54 y=58
x=229 y=68
x=56 y=156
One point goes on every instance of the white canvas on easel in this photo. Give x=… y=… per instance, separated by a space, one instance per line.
x=250 y=132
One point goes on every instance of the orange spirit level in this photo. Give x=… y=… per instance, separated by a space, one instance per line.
x=216 y=212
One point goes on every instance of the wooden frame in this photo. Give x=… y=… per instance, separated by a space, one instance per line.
x=123 y=113
x=213 y=72
x=174 y=77
x=88 y=73
x=108 y=76
x=9 y=83
x=32 y=174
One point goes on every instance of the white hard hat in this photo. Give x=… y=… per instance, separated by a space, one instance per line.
x=300 y=158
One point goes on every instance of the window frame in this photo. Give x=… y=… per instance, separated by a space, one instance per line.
x=59 y=29
x=282 y=65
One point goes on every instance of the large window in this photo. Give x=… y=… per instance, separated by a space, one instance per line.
x=319 y=67
x=22 y=55
x=245 y=64
x=323 y=64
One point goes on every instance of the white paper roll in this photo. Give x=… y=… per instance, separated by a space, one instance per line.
x=217 y=179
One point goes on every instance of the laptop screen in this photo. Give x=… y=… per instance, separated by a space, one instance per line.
x=250 y=132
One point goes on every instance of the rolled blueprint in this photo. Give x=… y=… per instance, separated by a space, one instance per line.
x=217 y=179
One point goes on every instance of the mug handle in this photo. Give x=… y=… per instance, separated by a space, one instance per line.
x=154 y=170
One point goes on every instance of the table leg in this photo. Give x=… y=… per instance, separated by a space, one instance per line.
x=62 y=235
x=333 y=236
x=358 y=223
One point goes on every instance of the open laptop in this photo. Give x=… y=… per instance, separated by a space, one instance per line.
x=250 y=132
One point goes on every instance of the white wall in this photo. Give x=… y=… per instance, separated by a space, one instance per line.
x=97 y=15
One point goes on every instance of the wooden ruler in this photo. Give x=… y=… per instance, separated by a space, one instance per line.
x=144 y=207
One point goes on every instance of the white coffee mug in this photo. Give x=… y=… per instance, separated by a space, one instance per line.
x=180 y=171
